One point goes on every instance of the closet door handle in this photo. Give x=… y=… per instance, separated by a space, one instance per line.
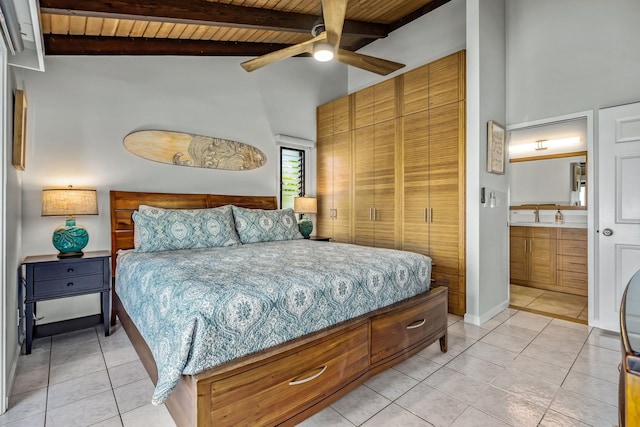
x=525 y=246
x=531 y=245
x=430 y=214
x=375 y=213
x=424 y=215
x=370 y=214
x=335 y=213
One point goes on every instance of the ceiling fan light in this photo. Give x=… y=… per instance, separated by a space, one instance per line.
x=323 y=52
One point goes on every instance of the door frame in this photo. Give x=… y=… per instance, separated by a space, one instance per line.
x=592 y=208
x=4 y=108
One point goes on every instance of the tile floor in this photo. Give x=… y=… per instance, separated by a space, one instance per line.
x=518 y=369
x=554 y=303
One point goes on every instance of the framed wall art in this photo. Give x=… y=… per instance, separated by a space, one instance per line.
x=19 y=129
x=496 y=136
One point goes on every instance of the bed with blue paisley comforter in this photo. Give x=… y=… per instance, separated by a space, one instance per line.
x=199 y=308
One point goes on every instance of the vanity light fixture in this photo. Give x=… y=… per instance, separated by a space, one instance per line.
x=543 y=144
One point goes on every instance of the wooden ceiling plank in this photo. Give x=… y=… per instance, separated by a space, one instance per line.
x=204 y=12
x=152 y=29
x=140 y=28
x=94 y=26
x=188 y=31
x=45 y=23
x=77 y=25
x=177 y=31
x=59 y=24
x=199 y=32
x=86 y=45
x=109 y=27
x=124 y=27
x=165 y=29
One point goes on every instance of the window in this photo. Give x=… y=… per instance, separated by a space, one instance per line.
x=291 y=176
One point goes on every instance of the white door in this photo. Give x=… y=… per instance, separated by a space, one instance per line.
x=618 y=239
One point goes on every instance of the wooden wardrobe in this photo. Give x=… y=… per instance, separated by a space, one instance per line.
x=391 y=168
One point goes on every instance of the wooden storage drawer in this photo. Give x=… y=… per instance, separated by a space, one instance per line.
x=573 y=234
x=517 y=231
x=442 y=279
x=69 y=269
x=572 y=263
x=395 y=331
x=285 y=387
x=572 y=247
x=570 y=279
x=68 y=286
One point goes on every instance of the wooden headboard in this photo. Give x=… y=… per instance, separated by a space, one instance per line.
x=123 y=203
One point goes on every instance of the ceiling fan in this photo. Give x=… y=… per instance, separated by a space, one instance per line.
x=325 y=45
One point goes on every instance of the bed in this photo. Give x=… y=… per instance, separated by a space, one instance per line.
x=284 y=382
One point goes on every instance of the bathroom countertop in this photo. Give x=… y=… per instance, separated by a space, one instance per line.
x=549 y=224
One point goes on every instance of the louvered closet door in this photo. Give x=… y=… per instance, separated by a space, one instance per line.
x=415 y=136
x=444 y=236
x=363 y=186
x=342 y=187
x=385 y=184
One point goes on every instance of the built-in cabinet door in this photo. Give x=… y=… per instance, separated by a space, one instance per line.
x=444 y=203
x=542 y=255
x=364 y=185
x=341 y=188
x=415 y=160
x=384 y=199
x=325 y=158
x=518 y=253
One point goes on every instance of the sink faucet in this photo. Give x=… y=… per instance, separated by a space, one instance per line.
x=536 y=214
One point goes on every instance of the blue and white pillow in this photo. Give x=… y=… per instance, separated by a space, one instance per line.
x=161 y=229
x=260 y=225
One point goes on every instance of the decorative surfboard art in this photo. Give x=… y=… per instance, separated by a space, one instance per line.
x=186 y=149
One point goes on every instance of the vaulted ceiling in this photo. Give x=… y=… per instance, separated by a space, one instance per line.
x=215 y=28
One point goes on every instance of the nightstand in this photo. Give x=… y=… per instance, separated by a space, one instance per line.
x=48 y=277
x=320 y=238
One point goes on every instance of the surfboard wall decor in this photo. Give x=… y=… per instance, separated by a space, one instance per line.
x=186 y=149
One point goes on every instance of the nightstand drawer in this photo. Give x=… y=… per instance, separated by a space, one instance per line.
x=67 y=286
x=66 y=270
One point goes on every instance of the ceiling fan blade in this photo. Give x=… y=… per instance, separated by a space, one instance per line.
x=333 y=13
x=287 y=52
x=366 y=62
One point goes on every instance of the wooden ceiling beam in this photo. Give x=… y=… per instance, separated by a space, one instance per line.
x=203 y=12
x=90 y=45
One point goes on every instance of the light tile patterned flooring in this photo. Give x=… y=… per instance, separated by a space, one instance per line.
x=554 y=303
x=518 y=369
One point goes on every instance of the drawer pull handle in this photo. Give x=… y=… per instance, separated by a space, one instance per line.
x=311 y=378
x=416 y=324
x=69 y=270
x=70 y=284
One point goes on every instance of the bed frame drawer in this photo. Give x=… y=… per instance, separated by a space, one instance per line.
x=290 y=384
x=397 y=331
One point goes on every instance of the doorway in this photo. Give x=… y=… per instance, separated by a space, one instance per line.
x=550 y=217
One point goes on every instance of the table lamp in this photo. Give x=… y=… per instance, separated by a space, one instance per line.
x=70 y=238
x=305 y=205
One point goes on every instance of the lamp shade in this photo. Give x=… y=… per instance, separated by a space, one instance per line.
x=69 y=238
x=69 y=202
x=305 y=205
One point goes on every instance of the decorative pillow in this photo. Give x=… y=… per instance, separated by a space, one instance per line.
x=259 y=225
x=169 y=229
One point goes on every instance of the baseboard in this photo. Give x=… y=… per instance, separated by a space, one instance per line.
x=479 y=320
x=11 y=378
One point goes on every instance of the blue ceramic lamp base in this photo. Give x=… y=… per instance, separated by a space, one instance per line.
x=70 y=239
x=306 y=227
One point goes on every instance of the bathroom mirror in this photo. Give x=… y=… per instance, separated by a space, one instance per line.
x=557 y=180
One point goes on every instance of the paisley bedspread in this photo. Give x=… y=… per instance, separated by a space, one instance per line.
x=199 y=308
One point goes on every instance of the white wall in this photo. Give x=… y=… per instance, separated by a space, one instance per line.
x=11 y=246
x=487 y=233
x=81 y=108
x=570 y=55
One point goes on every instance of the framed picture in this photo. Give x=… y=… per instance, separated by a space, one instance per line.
x=19 y=129
x=495 y=147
